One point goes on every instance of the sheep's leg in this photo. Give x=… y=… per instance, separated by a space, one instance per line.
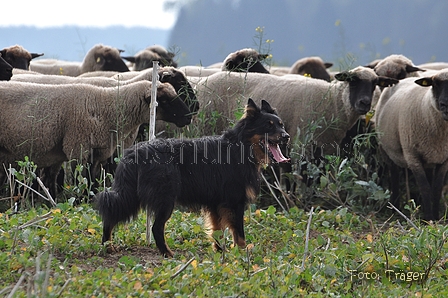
x=437 y=186
x=51 y=173
x=394 y=171
x=425 y=190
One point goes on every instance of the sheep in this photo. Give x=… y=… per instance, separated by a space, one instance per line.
x=18 y=57
x=279 y=70
x=434 y=65
x=314 y=67
x=217 y=65
x=144 y=58
x=56 y=123
x=393 y=66
x=5 y=70
x=99 y=57
x=198 y=71
x=245 y=60
x=167 y=57
x=397 y=67
x=101 y=73
x=412 y=126
x=299 y=102
x=169 y=75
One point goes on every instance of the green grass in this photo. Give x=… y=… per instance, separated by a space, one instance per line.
x=57 y=253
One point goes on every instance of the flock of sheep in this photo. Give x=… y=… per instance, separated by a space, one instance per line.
x=56 y=111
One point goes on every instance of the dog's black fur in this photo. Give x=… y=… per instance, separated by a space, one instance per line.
x=219 y=175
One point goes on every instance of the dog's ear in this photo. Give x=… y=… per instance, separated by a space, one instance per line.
x=251 y=109
x=265 y=106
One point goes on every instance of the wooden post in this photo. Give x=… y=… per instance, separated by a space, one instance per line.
x=152 y=135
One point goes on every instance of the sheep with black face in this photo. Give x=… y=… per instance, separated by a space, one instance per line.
x=77 y=121
x=98 y=58
x=300 y=102
x=18 y=57
x=412 y=125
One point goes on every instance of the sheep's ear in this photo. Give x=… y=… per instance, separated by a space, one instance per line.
x=412 y=68
x=35 y=55
x=344 y=76
x=261 y=57
x=129 y=58
x=328 y=64
x=386 y=81
x=265 y=106
x=424 y=82
x=251 y=109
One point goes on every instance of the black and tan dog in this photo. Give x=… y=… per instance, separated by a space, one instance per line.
x=219 y=175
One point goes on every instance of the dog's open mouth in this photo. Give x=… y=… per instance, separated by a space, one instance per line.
x=276 y=152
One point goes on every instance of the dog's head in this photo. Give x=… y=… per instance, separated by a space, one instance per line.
x=264 y=129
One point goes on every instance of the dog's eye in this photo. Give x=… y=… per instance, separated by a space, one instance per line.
x=270 y=123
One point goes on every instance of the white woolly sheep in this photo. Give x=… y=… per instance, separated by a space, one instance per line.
x=336 y=106
x=198 y=71
x=393 y=66
x=215 y=65
x=279 y=70
x=18 y=57
x=5 y=70
x=56 y=123
x=434 y=65
x=412 y=125
x=99 y=57
x=169 y=75
x=245 y=60
x=313 y=67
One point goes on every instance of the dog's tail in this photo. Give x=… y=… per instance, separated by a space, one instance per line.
x=121 y=204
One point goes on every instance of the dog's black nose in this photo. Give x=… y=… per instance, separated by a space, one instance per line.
x=285 y=137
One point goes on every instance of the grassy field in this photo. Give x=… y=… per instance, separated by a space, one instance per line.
x=57 y=252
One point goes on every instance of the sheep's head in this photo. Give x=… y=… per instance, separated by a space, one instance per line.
x=143 y=59
x=166 y=56
x=171 y=108
x=104 y=58
x=397 y=67
x=362 y=82
x=180 y=83
x=439 y=84
x=245 y=60
x=18 y=57
x=314 y=67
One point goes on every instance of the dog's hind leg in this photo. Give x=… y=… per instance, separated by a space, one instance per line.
x=161 y=216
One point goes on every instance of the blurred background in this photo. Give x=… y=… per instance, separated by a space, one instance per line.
x=201 y=32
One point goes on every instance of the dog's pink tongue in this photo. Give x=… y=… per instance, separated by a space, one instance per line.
x=278 y=156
